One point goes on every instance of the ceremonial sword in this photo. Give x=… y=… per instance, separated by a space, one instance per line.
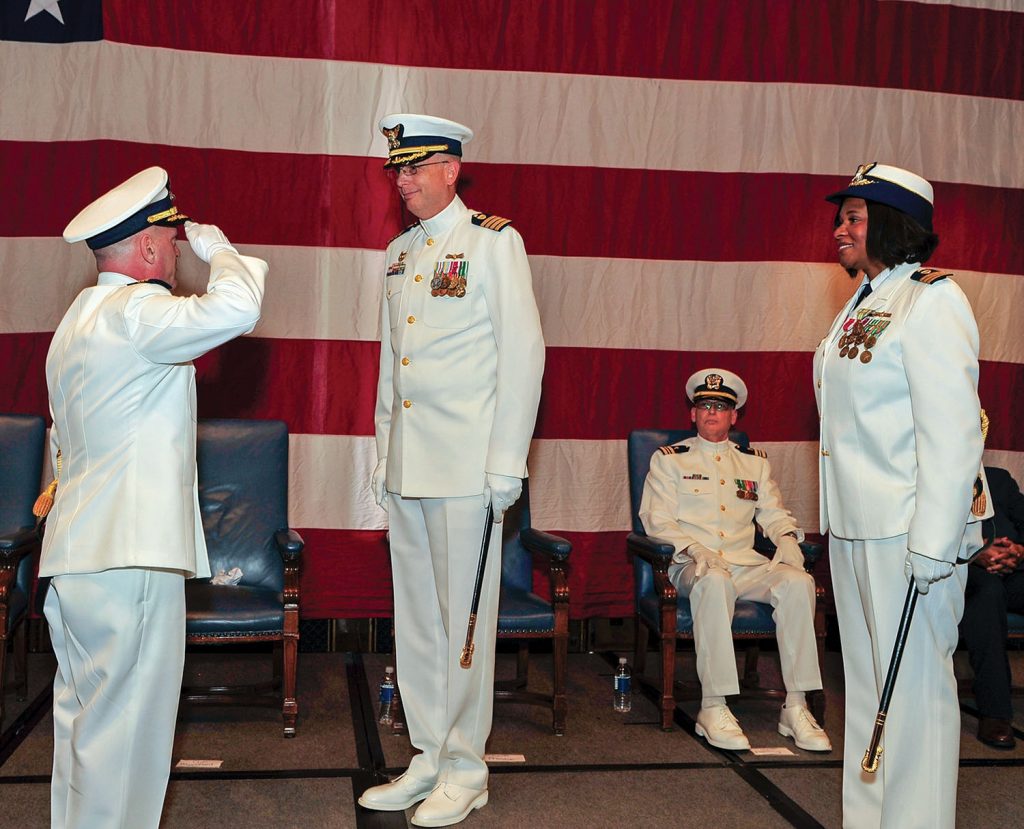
x=466 y=659
x=874 y=753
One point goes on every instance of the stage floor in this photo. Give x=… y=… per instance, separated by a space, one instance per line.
x=609 y=769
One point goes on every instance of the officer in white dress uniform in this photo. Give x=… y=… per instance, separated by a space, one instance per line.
x=125 y=531
x=460 y=374
x=896 y=381
x=704 y=495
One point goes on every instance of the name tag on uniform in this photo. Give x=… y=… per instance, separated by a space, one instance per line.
x=696 y=476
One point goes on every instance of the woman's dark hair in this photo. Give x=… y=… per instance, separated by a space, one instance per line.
x=894 y=237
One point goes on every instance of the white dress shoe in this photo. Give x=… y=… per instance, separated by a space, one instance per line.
x=396 y=796
x=449 y=803
x=719 y=727
x=799 y=723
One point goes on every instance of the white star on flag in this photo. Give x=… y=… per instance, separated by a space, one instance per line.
x=51 y=7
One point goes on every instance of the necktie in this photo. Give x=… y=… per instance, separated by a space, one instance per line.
x=863 y=295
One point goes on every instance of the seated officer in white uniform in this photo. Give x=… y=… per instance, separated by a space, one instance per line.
x=704 y=495
x=125 y=530
x=461 y=360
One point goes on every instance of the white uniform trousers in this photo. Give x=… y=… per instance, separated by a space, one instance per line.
x=915 y=784
x=435 y=547
x=790 y=592
x=119 y=638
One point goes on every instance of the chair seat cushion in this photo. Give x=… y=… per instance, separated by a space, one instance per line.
x=522 y=612
x=748 y=618
x=220 y=610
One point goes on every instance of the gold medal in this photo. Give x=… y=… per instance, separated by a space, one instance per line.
x=870 y=341
x=865 y=357
x=853 y=352
x=843 y=350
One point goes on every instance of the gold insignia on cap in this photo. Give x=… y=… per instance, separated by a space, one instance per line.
x=393 y=135
x=860 y=177
x=167 y=214
x=713 y=382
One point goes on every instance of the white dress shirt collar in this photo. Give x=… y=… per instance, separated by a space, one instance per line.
x=446 y=219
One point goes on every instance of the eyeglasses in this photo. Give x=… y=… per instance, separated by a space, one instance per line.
x=411 y=170
x=713 y=405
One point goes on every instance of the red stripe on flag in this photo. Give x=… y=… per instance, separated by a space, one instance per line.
x=769 y=41
x=343 y=201
x=329 y=387
x=345 y=574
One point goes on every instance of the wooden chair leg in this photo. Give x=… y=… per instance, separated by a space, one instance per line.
x=668 y=678
x=21 y=662
x=559 y=701
x=289 y=701
x=751 y=677
x=278 y=664
x=3 y=663
x=397 y=712
x=523 y=664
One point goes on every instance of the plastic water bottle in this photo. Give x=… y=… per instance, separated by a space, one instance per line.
x=387 y=696
x=623 y=701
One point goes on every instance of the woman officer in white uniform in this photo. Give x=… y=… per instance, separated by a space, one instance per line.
x=896 y=381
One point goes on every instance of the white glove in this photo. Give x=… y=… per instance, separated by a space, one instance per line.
x=924 y=570
x=706 y=559
x=380 y=494
x=206 y=240
x=787 y=551
x=501 y=491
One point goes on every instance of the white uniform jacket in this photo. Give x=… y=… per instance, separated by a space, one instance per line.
x=711 y=494
x=123 y=401
x=900 y=430
x=460 y=375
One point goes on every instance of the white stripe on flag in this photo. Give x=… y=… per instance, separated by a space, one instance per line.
x=266 y=104
x=334 y=294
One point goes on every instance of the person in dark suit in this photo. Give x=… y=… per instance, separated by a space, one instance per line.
x=995 y=585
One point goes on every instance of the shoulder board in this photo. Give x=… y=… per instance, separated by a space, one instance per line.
x=746 y=450
x=673 y=450
x=402 y=233
x=490 y=222
x=930 y=275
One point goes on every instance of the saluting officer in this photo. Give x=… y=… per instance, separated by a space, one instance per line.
x=125 y=529
x=460 y=374
x=704 y=494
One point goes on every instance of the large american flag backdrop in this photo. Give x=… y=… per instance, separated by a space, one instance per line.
x=665 y=163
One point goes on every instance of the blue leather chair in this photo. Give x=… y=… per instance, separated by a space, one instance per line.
x=243 y=497
x=661 y=610
x=523 y=615
x=22 y=439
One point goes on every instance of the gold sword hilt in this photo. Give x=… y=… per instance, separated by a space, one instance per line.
x=869 y=763
x=873 y=755
x=466 y=659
